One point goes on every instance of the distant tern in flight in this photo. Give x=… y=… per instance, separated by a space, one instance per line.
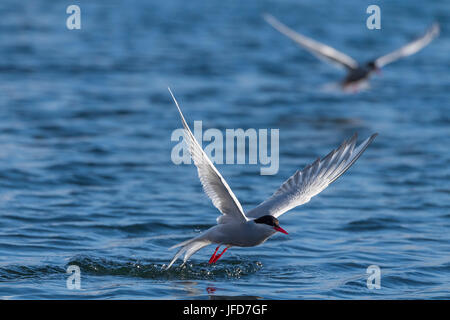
x=357 y=74
x=234 y=227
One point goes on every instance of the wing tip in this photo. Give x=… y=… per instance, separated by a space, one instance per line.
x=274 y=22
x=368 y=141
x=267 y=16
x=173 y=97
x=373 y=136
x=354 y=138
x=365 y=144
x=360 y=150
x=435 y=29
x=183 y=120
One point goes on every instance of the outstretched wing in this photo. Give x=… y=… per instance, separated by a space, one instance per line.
x=410 y=48
x=312 y=180
x=318 y=49
x=212 y=181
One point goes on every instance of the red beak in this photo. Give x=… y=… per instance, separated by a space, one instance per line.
x=280 y=229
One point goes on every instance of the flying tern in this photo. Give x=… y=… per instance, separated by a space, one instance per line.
x=357 y=74
x=236 y=228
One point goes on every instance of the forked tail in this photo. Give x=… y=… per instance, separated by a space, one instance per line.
x=188 y=247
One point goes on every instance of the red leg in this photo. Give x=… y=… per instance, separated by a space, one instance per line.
x=218 y=257
x=213 y=257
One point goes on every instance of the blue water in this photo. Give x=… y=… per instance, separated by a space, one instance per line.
x=86 y=176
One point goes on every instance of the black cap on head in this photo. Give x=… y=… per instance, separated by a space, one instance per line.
x=269 y=220
x=372 y=65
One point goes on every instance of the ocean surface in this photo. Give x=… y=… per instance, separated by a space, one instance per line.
x=86 y=176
